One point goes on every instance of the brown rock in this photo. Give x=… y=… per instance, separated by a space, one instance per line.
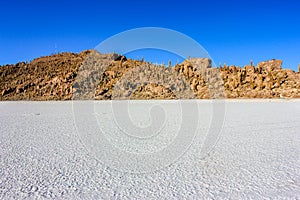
x=270 y=65
x=61 y=77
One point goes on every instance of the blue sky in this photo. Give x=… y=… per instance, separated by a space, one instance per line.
x=233 y=32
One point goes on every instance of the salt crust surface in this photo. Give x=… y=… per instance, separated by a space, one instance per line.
x=256 y=156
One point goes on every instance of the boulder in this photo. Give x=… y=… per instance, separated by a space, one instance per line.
x=270 y=65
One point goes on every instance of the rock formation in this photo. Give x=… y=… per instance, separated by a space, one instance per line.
x=91 y=75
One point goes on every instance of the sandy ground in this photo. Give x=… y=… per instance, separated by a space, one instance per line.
x=53 y=150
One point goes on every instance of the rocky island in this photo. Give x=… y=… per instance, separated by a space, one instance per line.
x=91 y=75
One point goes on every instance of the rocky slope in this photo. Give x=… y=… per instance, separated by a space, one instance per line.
x=91 y=75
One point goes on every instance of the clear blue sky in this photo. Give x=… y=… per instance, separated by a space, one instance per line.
x=232 y=31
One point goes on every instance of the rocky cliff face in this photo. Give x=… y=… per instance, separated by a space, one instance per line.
x=90 y=75
x=266 y=80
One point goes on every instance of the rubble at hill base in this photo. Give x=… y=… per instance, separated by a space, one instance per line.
x=91 y=75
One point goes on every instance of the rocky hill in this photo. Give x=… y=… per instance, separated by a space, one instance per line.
x=91 y=75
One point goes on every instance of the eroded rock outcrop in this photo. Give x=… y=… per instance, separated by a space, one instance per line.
x=91 y=75
x=266 y=80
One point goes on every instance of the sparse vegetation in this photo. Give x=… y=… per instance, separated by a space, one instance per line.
x=92 y=75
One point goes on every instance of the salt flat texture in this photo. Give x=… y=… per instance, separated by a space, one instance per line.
x=45 y=151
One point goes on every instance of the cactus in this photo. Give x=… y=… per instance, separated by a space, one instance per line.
x=169 y=63
x=121 y=62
